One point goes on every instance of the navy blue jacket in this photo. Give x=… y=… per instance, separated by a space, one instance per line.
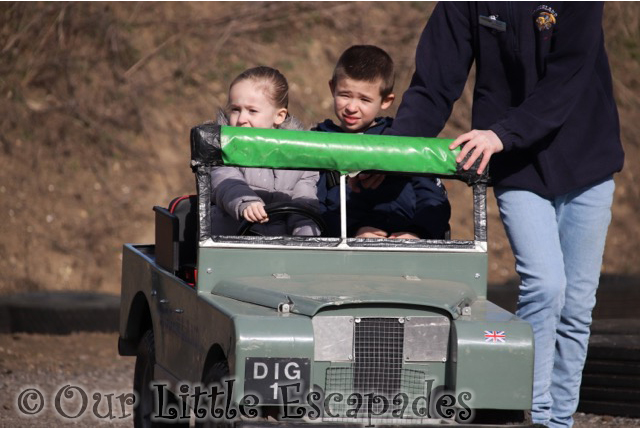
x=543 y=85
x=400 y=203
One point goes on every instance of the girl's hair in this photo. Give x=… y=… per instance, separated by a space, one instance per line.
x=275 y=84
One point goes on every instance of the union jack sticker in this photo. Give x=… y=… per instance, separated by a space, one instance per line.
x=494 y=336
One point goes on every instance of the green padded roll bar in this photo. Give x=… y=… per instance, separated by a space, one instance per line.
x=284 y=149
x=214 y=145
x=341 y=152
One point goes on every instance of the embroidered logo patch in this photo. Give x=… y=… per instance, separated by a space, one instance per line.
x=545 y=17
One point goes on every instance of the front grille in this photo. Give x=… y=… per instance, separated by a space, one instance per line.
x=361 y=404
x=378 y=345
x=377 y=371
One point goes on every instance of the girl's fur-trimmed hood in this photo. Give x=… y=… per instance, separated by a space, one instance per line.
x=234 y=188
x=291 y=123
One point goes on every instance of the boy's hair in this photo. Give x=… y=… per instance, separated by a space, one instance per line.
x=274 y=83
x=368 y=63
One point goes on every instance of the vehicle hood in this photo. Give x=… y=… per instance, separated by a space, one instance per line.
x=311 y=293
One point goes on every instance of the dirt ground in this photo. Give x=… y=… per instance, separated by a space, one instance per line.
x=89 y=361
x=49 y=363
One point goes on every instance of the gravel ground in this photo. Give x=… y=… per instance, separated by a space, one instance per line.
x=90 y=362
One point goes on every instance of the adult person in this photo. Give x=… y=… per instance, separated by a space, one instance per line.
x=545 y=121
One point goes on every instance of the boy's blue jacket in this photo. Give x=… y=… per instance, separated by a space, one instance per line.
x=543 y=85
x=401 y=203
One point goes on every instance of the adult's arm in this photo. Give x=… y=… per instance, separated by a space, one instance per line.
x=443 y=58
x=569 y=70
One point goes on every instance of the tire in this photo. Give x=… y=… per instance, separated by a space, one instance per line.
x=214 y=375
x=502 y=417
x=59 y=312
x=143 y=376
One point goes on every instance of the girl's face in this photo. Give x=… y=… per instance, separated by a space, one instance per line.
x=250 y=107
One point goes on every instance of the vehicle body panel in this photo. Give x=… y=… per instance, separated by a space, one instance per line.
x=190 y=322
x=347 y=315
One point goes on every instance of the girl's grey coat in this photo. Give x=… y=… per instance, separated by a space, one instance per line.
x=233 y=189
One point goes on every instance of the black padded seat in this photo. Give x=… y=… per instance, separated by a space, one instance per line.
x=185 y=208
x=176 y=246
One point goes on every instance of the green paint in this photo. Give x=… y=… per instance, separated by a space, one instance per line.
x=275 y=148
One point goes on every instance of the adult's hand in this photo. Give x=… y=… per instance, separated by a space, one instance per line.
x=255 y=213
x=483 y=143
x=365 y=181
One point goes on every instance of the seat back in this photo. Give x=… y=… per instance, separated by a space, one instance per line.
x=166 y=248
x=185 y=209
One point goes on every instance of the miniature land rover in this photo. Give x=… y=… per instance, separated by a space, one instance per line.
x=335 y=331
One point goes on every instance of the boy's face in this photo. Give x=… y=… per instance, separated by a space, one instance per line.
x=357 y=102
x=250 y=107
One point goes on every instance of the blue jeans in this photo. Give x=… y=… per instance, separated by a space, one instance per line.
x=558 y=245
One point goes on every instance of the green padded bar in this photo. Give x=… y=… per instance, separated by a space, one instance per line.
x=275 y=148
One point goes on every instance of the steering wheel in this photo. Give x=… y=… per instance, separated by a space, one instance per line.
x=284 y=208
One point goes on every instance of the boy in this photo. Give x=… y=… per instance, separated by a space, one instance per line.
x=379 y=206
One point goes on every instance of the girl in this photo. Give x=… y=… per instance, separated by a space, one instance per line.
x=259 y=98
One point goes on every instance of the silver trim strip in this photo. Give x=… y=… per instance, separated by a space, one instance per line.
x=479 y=247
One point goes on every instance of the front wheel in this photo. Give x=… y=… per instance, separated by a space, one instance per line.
x=214 y=376
x=502 y=417
x=142 y=379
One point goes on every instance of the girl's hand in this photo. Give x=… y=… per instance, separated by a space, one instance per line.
x=255 y=213
x=484 y=143
x=403 y=235
x=370 y=232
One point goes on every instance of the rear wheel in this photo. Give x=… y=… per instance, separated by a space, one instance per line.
x=143 y=376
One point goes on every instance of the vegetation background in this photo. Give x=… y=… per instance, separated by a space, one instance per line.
x=97 y=99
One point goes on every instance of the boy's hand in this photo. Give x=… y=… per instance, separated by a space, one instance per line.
x=366 y=181
x=403 y=235
x=255 y=213
x=484 y=143
x=370 y=232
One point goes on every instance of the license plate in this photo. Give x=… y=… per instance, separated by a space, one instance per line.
x=277 y=380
